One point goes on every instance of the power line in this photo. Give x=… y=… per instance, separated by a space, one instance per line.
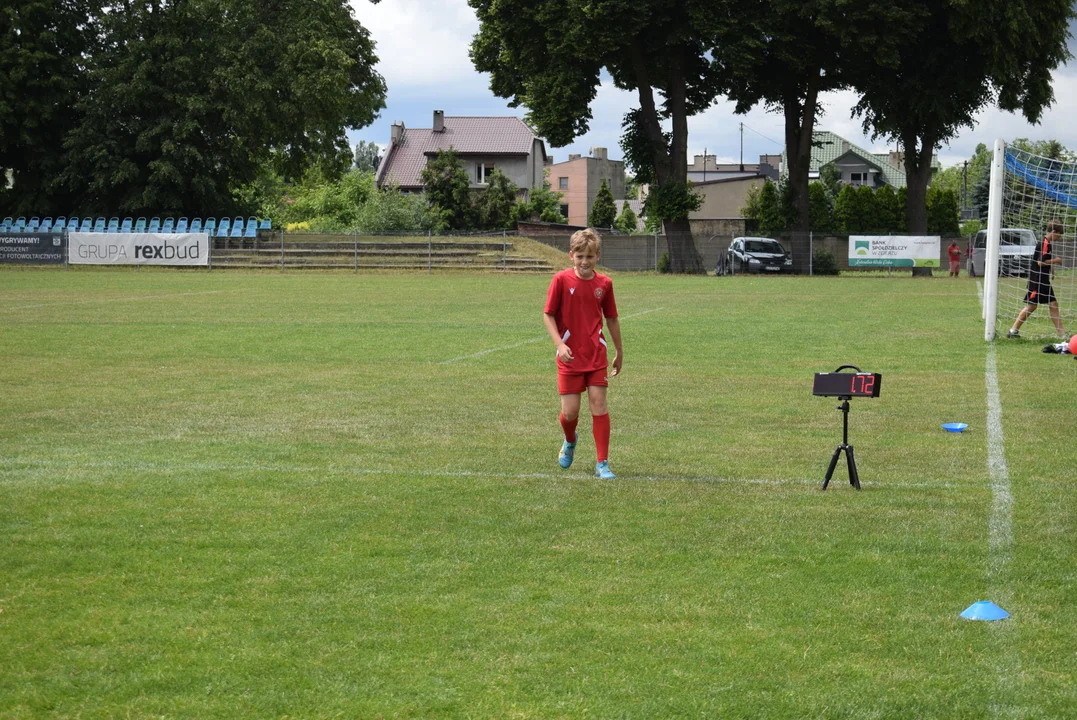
x=763 y=136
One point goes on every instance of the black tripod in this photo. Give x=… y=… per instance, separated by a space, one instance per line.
x=854 y=479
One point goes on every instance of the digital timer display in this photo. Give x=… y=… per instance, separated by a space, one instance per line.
x=841 y=384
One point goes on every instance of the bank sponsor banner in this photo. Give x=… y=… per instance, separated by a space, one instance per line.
x=138 y=249
x=32 y=248
x=894 y=250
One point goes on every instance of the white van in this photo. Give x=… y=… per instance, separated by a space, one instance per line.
x=1015 y=251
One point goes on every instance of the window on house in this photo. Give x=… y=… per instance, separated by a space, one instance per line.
x=856 y=178
x=562 y=183
x=564 y=208
x=482 y=173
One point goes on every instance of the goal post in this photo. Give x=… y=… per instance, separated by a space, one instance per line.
x=1026 y=192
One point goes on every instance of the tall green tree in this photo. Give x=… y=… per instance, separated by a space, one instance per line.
x=627 y=221
x=43 y=51
x=659 y=49
x=495 y=203
x=820 y=208
x=448 y=191
x=942 y=212
x=543 y=205
x=772 y=218
x=789 y=52
x=189 y=99
x=887 y=211
x=366 y=156
x=847 y=211
x=603 y=211
x=955 y=59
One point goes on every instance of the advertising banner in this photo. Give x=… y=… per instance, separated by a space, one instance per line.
x=138 y=249
x=894 y=251
x=32 y=248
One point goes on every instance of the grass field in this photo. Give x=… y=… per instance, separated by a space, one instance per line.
x=269 y=495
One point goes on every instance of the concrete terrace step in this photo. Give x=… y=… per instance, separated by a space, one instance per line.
x=221 y=245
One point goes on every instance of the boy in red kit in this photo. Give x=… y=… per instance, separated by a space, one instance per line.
x=575 y=304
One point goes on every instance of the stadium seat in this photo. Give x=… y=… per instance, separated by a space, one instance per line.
x=251 y=230
x=237 y=228
x=99 y=225
x=113 y=225
x=196 y=225
x=140 y=225
x=59 y=225
x=20 y=224
x=87 y=225
x=181 y=225
x=6 y=225
x=73 y=224
x=223 y=228
x=155 y=225
x=32 y=225
x=45 y=225
x=266 y=224
x=169 y=226
x=128 y=225
x=210 y=226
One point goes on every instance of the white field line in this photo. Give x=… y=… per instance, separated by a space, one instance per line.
x=1007 y=662
x=113 y=300
x=526 y=342
x=14 y=465
x=980 y=291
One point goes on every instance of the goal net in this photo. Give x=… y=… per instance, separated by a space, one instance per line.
x=1027 y=191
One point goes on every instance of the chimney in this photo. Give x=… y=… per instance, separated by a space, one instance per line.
x=397 y=133
x=844 y=146
x=897 y=159
x=599 y=153
x=573 y=156
x=439 y=121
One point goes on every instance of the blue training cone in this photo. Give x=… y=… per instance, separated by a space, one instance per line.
x=984 y=610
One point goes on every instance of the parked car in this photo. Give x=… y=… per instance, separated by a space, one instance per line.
x=757 y=255
x=1015 y=250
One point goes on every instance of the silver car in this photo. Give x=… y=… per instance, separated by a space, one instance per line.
x=1015 y=251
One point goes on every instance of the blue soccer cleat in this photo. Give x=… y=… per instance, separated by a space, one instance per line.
x=568 y=452
x=603 y=472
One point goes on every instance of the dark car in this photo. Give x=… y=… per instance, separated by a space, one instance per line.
x=757 y=255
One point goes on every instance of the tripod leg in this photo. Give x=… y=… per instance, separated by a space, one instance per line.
x=833 y=464
x=854 y=479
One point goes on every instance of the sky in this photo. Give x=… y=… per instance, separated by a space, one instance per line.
x=422 y=46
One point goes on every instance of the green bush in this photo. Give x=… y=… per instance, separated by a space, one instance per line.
x=824 y=263
x=663 y=263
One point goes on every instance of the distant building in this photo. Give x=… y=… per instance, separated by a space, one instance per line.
x=483 y=143
x=705 y=168
x=579 y=178
x=856 y=165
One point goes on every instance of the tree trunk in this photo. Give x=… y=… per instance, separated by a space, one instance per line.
x=917 y=176
x=799 y=126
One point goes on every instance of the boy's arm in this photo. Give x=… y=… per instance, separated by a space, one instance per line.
x=614 y=326
x=563 y=353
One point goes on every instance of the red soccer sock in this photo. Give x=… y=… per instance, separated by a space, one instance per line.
x=601 y=428
x=569 y=426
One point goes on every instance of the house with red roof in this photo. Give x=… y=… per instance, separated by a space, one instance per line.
x=483 y=143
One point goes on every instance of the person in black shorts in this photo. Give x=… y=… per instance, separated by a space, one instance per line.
x=1040 y=291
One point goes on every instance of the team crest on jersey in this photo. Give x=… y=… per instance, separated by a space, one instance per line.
x=572 y=291
x=598 y=293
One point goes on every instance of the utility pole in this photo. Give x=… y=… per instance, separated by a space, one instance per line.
x=742 y=147
x=964 y=188
x=704 y=164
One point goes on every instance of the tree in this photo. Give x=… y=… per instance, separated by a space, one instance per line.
x=543 y=204
x=367 y=156
x=819 y=208
x=942 y=212
x=751 y=203
x=652 y=47
x=771 y=217
x=847 y=210
x=448 y=191
x=1051 y=149
x=627 y=222
x=43 y=46
x=887 y=210
x=902 y=200
x=954 y=59
x=188 y=100
x=790 y=51
x=388 y=210
x=604 y=211
x=870 y=219
x=830 y=177
x=495 y=203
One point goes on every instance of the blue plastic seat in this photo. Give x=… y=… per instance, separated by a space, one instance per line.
x=6 y=224
x=20 y=224
x=140 y=225
x=113 y=225
x=155 y=225
x=87 y=225
x=237 y=228
x=99 y=225
x=32 y=225
x=210 y=227
x=45 y=225
x=169 y=226
x=127 y=225
x=196 y=225
x=250 y=231
x=59 y=224
x=73 y=225
x=181 y=225
x=223 y=228
x=266 y=224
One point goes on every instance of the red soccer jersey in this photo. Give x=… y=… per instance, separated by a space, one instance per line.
x=955 y=252
x=578 y=306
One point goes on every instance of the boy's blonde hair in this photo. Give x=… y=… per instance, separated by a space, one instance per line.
x=586 y=239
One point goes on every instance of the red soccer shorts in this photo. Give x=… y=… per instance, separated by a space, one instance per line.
x=569 y=383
